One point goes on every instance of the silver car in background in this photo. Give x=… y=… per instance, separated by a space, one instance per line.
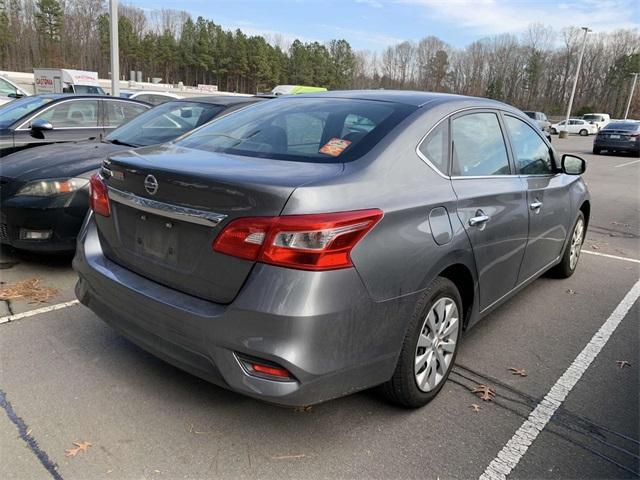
x=312 y=246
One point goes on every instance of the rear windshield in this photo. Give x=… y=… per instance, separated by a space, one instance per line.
x=164 y=123
x=304 y=129
x=623 y=126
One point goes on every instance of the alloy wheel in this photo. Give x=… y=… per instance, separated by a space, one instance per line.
x=436 y=344
x=576 y=243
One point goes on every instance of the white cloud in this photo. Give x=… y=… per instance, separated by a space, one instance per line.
x=371 y=3
x=363 y=36
x=494 y=16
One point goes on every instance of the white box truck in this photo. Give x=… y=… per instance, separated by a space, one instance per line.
x=62 y=80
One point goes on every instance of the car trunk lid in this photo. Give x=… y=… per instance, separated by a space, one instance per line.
x=169 y=203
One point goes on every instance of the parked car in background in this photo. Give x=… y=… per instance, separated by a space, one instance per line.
x=540 y=118
x=152 y=97
x=44 y=190
x=600 y=120
x=54 y=118
x=576 y=125
x=312 y=246
x=619 y=136
x=10 y=91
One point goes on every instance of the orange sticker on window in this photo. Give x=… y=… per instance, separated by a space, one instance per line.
x=335 y=146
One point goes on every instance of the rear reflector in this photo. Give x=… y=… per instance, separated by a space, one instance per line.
x=308 y=242
x=99 y=196
x=273 y=371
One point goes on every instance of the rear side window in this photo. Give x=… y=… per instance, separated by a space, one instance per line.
x=121 y=112
x=304 y=129
x=78 y=114
x=436 y=147
x=532 y=154
x=478 y=146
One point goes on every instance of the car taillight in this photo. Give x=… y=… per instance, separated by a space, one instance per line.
x=99 y=196
x=308 y=242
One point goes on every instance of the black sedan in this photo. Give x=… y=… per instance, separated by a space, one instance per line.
x=623 y=136
x=45 y=119
x=44 y=190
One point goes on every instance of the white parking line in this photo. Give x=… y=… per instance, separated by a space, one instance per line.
x=30 y=313
x=510 y=455
x=606 y=255
x=625 y=164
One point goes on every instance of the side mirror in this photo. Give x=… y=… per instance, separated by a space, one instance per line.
x=41 y=124
x=572 y=165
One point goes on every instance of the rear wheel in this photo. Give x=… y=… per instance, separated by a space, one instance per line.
x=583 y=133
x=554 y=131
x=429 y=348
x=571 y=255
x=596 y=150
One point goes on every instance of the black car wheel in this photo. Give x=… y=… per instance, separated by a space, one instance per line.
x=429 y=348
x=583 y=133
x=596 y=150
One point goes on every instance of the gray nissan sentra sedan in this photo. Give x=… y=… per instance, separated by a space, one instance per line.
x=312 y=246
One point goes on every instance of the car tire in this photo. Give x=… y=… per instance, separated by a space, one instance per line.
x=439 y=311
x=554 y=131
x=584 y=133
x=571 y=254
x=596 y=150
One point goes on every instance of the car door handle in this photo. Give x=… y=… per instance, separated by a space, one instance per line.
x=536 y=206
x=479 y=220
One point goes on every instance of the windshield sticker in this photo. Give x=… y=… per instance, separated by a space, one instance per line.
x=335 y=146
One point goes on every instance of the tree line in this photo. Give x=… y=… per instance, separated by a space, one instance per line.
x=531 y=71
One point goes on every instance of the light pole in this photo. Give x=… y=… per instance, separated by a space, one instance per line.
x=575 y=79
x=115 y=53
x=633 y=87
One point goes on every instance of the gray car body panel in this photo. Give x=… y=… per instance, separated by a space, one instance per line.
x=339 y=331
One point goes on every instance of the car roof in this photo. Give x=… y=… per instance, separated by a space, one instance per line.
x=224 y=100
x=61 y=96
x=407 y=97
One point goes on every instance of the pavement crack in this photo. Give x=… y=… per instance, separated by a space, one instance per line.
x=25 y=435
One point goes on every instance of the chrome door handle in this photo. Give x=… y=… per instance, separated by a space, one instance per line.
x=479 y=220
x=536 y=206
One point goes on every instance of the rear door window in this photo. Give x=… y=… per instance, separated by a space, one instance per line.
x=478 y=146
x=532 y=155
x=121 y=112
x=301 y=129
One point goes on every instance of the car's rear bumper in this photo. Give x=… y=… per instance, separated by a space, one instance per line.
x=321 y=326
x=61 y=219
x=618 y=146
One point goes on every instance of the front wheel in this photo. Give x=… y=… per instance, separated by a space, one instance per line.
x=571 y=254
x=429 y=348
x=583 y=133
x=596 y=150
x=554 y=131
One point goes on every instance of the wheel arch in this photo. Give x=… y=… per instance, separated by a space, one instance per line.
x=460 y=275
x=585 y=208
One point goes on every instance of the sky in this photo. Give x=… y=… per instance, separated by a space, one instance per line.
x=375 y=24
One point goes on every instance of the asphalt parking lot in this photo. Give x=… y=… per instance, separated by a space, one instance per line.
x=66 y=377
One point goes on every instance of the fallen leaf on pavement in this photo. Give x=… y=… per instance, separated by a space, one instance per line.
x=571 y=292
x=305 y=409
x=623 y=363
x=595 y=247
x=475 y=407
x=485 y=392
x=79 y=447
x=518 y=371
x=27 y=289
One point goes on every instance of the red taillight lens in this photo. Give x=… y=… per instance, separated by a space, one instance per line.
x=309 y=242
x=99 y=196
